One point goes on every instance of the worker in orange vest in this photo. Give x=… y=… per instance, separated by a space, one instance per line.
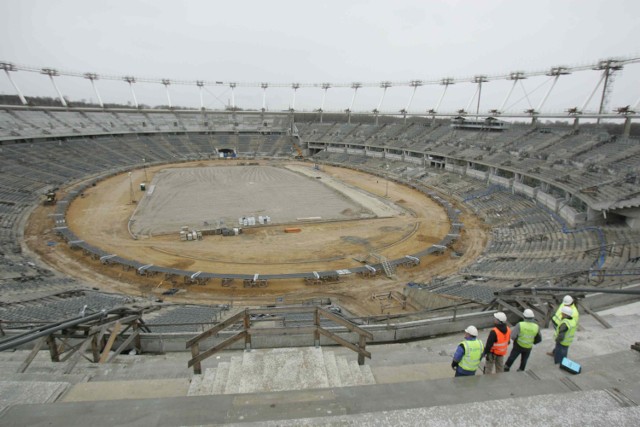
x=497 y=343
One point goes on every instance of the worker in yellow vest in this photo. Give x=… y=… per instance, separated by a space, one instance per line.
x=565 y=332
x=566 y=301
x=525 y=335
x=466 y=359
x=497 y=344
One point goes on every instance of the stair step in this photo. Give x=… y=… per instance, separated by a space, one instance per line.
x=252 y=372
x=367 y=374
x=356 y=373
x=195 y=386
x=346 y=378
x=332 y=369
x=208 y=379
x=234 y=376
x=220 y=381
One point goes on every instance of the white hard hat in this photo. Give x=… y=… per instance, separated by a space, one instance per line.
x=567 y=300
x=567 y=310
x=500 y=316
x=528 y=313
x=472 y=330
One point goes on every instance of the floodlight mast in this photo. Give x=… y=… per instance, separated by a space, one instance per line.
x=93 y=77
x=167 y=83
x=200 y=85
x=479 y=80
x=384 y=85
x=516 y=76
x=555 y=72
x=295 y=87
x=355 y=86
x=51 y=73
x=446 y=82
x=608 y=67
x=325 y=88
x=7 y=66
x=264 y=87
x=233 y=97
x=131 y=80
x=414 y=84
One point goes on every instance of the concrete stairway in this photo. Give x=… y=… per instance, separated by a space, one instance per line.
x=281 y=369
x=310 y=386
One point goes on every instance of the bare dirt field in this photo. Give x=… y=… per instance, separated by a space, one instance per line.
x=402 y=223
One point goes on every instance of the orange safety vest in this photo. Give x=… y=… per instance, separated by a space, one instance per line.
x=502 y=342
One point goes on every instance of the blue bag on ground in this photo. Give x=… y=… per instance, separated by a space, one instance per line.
x=570 y=366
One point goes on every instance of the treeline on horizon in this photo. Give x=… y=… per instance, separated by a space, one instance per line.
x=46 y=101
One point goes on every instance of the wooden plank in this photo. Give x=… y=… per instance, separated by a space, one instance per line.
x=112 y=338
x=53 y=349
x=362 y=344
x=344 y=342
x=509 y=307
x=200 y=357
x=34 y=352
x=217 y=328
x=595 y=315
x=79 y=353
x=296 y=330
x=344 y=322
x=124 y=345
x=195 y=352
x=121 y=320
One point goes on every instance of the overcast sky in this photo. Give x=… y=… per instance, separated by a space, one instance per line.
x=322 y=41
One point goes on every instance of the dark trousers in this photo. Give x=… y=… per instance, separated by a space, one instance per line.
x=559 y=353
x=518 y=351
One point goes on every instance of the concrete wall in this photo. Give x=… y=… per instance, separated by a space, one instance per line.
x=477 y=174
x=572 y=217
x=547 y=200
x=525 y=189
x=505 y=182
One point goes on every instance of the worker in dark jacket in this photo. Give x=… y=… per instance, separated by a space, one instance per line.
x=497 y=344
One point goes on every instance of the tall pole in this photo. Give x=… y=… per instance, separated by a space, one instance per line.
x=264 y=87
x=325 y=87
x=515 y=76
x=355 y=86
x=233 y=97
x=479 y=80
x=51 y=72
x=384 y=85
x=166 y=83
x=131 y=81
x=609 y=66
x=200 y=85
x=295 y=87
x=10 y=67
x=93 y=77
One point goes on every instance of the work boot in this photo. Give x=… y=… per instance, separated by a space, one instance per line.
x=507 y=369
x=550 y=353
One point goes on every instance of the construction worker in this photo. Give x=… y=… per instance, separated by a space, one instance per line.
x=565 y=332
x=497 y=344
x=524 y=335
x=466 y=359
x=566 y=301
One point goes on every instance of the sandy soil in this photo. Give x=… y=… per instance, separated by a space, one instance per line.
x=100 y=217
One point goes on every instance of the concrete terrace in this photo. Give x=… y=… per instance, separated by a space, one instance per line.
x=403 y=384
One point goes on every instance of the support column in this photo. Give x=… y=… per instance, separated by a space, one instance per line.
x=200 y=85
x=166 y=83
x=10 y=67
x=93 y=77
x=325 y=87
x=51 y=73
x=131 y=81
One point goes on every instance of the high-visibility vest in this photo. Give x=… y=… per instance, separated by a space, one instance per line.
x=502 y=342
x=528 y=332
x=557 y=318
x=472 y=353
x=571 y=331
